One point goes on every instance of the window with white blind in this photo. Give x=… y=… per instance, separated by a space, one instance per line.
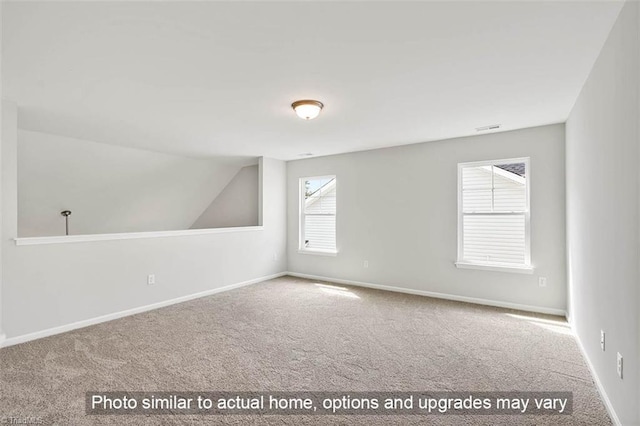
x=318 y=215
x=493 y=215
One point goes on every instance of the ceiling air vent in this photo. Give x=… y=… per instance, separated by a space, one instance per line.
x=487 y=128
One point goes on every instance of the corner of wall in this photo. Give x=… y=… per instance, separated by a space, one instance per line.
x=603 y=133
x=273 y=204
x=8 y=195
x=638 y=134
x=260 y=181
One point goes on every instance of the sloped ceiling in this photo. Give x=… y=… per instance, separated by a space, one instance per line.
x=110 y=189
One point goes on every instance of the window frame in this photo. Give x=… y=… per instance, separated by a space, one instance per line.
x=301 y=218
x=527 y=267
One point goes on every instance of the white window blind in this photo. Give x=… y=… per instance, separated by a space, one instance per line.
x=318 y=214
x=494 y=213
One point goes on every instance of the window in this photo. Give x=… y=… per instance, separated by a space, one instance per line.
x=318 y=215
x=493 y=215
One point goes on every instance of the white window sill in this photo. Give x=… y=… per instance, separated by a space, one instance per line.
x=498 y=268
x=129 y=236
x=318 y=252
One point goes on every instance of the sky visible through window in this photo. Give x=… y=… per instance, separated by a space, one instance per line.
x=314 y=184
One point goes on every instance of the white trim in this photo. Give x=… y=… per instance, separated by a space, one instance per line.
x=494 y=162
x=318 y=252
x=499 y=268
x=477 y=301
x=603 y=394
x=302 y=216
x=85 y=323
x=3 y=338
x=129 y=235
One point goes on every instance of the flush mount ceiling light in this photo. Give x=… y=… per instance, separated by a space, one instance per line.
x=307 y=109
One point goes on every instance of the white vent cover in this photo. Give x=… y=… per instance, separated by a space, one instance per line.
x=486 y=128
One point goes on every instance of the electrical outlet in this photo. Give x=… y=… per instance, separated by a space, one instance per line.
x=151 y=279
x=619 y=365
x=365 y=264
x=602 y=339
x=542 y=281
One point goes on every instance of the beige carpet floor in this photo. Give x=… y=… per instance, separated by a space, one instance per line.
x=290 y=334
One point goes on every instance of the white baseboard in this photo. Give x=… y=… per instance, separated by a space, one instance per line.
x=85 y=323
x=603 y=394
x=486 y=302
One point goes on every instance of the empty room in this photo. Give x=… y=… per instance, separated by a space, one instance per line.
x=320 y=212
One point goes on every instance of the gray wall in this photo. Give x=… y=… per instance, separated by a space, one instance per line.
x=397 y=208
x=2 y=336
x=46 y=286
x=236 y=205
x=603 y=232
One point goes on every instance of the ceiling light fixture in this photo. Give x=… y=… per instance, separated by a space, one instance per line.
x=307 y=109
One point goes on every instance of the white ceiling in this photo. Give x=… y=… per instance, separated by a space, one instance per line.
x=204 y=79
